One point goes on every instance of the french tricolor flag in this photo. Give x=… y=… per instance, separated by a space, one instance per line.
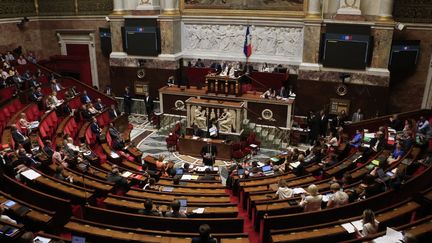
x=247 y=49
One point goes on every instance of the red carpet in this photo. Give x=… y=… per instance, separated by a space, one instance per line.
x=248 y=224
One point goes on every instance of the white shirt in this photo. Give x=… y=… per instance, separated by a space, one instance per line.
x=284 y=192
x=6 y=218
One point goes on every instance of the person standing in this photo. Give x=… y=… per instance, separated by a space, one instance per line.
x=127 y=101
x=357 y=116
x=208 y=153
x=149 y=105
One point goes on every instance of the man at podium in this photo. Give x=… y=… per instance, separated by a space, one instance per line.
x=208 y=153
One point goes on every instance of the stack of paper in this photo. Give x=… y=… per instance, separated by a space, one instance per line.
x=186 y=177
x=352 y=226
x=194 y=177
x=390 y=236
x=198 y=210
x=126 y=174
x=114 y=155
x=294 y=164
x=299 y=190
x=30 y=174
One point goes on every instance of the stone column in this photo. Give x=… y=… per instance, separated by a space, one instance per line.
x=314 y=9
x=170 y=7
x=383 y=36
x=385 y=11
x=311 y=43
x=116 y=36
x=330 y=8
x=118 y=6
x=170 y=29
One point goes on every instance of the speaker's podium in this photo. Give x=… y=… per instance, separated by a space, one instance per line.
x=223 y=85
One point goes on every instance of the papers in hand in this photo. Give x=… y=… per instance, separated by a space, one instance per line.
x=126 y=174
x=30 y=174
x=299 y=190
x=294 y=164
x=198 y=210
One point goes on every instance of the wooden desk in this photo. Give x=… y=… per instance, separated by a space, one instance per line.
x=167 y=197
x=193 y=147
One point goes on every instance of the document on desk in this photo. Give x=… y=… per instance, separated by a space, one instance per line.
x=358 y=224
x=30 y=174
x=299 y=190
x=348 y=227
x=186 y=177
x=326 y=197
x=390 y=236
x=41 y=239
x=194 y=177
x=126 y=174
x=198 y=210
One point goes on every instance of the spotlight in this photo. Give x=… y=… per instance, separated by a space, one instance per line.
x=107 y=19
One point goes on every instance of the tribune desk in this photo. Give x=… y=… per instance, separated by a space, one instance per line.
x=187 y=145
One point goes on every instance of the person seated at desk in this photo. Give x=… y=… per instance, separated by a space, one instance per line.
x=85 y=98
x=25 y=126
x=282 y=94
x=118 y=142
x=27 y=159
x=283 y=191
x=115 y=177
x=338 y=198
x=56 y=86
x=269 y=94
x=370 y=224
x=199 y=63
x=151 y=185
x=60 y=176
x=204 y=235
x=369 y=187
x=91 y=109
x=312 y=202
x=5 y=218
x=37 y=97
x=98 y=105
x=376 y=144
x=196 y=131
x=209 y=153
x=357 y=140
x=50 y=103
x=95 y=129
x=113 y=112
x=148 y=209
x=56 y=101
x=19 y=138
x=397 y=154
x=171 y=81
x=213 y=130
x=48 y=148
x=175 y=213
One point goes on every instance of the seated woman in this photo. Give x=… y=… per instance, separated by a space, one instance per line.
x=50 y=103
x=369 y=187
x=56 y=101
x=313 y=201
x=57 y=157
x=25 y=126
x=283 y=190
x=396 y=155
x=338 y=198
x=370 y=224
x=92 y=109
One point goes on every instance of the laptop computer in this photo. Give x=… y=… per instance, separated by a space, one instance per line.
x=78 y=239
x=267 y=170
x=179 y=171
x=183 y=204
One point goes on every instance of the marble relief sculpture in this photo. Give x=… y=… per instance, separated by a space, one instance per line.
x=227 y=121
x=199 y=117
x=290 y=5
x=229 y=39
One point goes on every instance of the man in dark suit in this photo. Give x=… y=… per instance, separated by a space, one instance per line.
x=113 y=112
x=98 y=105
x=149 y=105
x=209 y=153
x=207 y=176
x=19 y=138
x=127 y=101
x=323 y=123
x=85 y=98
x=396 y=123
x=148 y=209
x=37 y=97
x=96 y=130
